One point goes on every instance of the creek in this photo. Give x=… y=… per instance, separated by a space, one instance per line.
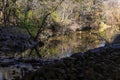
x=55 y=48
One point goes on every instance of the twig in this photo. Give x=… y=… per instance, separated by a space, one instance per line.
x=44 y=19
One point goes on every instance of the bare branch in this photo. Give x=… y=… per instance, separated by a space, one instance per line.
x=44 y=19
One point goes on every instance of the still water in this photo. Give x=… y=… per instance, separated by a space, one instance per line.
x=62 y=46
x=55 y=47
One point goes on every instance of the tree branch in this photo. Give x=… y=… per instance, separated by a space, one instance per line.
x=43 y=21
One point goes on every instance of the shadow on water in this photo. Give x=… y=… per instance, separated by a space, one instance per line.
x=116 y=39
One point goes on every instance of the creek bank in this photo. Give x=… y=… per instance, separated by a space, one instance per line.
x=101 y=63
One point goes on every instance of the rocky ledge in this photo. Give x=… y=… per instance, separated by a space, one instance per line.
x=102 y=63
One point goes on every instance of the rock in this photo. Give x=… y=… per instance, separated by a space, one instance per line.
x=97 y=64
x=15 y=40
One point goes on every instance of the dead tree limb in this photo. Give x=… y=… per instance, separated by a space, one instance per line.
x=44 y=20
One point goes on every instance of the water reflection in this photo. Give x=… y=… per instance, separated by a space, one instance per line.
x=62 y=46
x=57 y=47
